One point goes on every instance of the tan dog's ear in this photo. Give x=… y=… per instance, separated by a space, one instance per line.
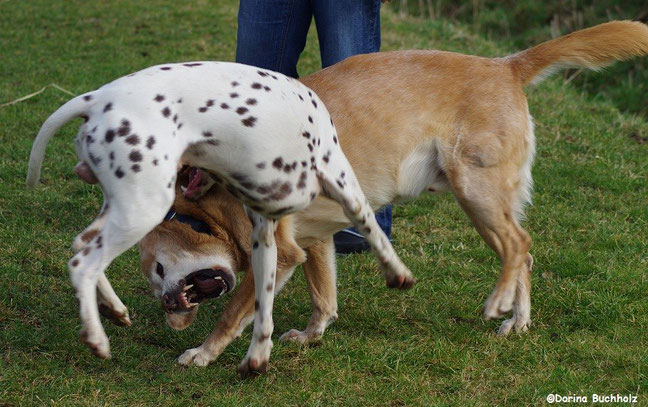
x=146 y=252
x=229 y=223
x=222 y=205
x=226 y=217
x=289 y=254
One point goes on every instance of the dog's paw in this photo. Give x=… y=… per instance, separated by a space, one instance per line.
x=301 y=337
x=252 y=367
x=400 y=281
x=196 y=356
x=255 y=361
x=117 y=317
x=499 y=303
x=516 y=323
x=97 y=342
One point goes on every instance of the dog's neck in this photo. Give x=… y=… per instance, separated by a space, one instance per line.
x=196 y=224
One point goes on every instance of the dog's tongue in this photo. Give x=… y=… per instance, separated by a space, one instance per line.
x=195 y=176
x=210 y=286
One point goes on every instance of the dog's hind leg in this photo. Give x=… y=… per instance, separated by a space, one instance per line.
x=344 y=188
x=264 y=266
x=488 y=195
x=91 y=231
x=110 y=305
x=128 y=220
x=319 y=270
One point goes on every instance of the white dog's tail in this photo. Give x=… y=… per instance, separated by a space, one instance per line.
x=74 y=108
x=591 y=48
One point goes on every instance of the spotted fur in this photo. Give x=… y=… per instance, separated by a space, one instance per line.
x=251 y=140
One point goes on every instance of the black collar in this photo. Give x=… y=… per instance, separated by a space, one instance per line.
x=196 y=224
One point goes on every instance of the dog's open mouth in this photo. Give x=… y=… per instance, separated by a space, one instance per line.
x=208 y=283
x=199 y=286
x=196 y=183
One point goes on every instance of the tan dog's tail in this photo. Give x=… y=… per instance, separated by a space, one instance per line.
x=74 y=108
x=591 y=48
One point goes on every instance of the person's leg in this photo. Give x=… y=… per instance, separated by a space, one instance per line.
x=272 y=33
x=347 y=28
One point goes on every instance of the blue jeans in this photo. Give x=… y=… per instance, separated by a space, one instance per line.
x=272 y=35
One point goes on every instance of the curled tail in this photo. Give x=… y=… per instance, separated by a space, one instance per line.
x=591 y=48
x=74 y=108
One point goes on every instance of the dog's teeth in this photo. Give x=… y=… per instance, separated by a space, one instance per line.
x=218 y=278
x=193 y=304
x=187 y=287
x=183 y=188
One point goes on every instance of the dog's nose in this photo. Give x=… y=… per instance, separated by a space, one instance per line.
x=169 y=302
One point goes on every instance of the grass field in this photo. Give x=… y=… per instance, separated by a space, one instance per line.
x=426 y=346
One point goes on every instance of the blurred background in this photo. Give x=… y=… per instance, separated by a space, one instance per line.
x=527 y=23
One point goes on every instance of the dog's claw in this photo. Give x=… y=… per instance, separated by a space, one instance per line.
x=119 y=318
x=402 y=282
x=516 y=323
x=252 y=368
x=509 y=324
x=295 y=335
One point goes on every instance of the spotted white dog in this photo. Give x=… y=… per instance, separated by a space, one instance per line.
x=266 y=137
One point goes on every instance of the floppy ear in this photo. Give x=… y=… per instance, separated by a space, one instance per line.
x=289 y=254
x=230 y=215
x=228 y=221
x=146 y=255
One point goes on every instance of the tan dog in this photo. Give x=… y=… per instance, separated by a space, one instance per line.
x=409 y=122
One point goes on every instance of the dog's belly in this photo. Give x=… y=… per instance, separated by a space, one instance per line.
x=270 y=185
x=421 y=171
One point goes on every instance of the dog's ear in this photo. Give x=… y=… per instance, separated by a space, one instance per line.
x=146 y=253
x=289 y=254
x=228 y=221
x=229 y=211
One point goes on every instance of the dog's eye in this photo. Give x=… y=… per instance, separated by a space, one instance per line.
x=160 y=270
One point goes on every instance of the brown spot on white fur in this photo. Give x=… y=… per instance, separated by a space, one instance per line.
x=89 y=235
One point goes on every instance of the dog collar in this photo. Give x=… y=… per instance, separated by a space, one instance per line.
x=196 y=224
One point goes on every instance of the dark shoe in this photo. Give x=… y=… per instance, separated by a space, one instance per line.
x=350 y=241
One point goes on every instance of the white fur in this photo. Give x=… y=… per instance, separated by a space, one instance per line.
x=420 y=171
x=526 y=179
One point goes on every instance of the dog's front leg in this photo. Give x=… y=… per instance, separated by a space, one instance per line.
x=319 y=270
x=237 y=315
x=264 y=265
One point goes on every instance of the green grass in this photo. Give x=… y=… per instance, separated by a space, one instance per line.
x=427 y=346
